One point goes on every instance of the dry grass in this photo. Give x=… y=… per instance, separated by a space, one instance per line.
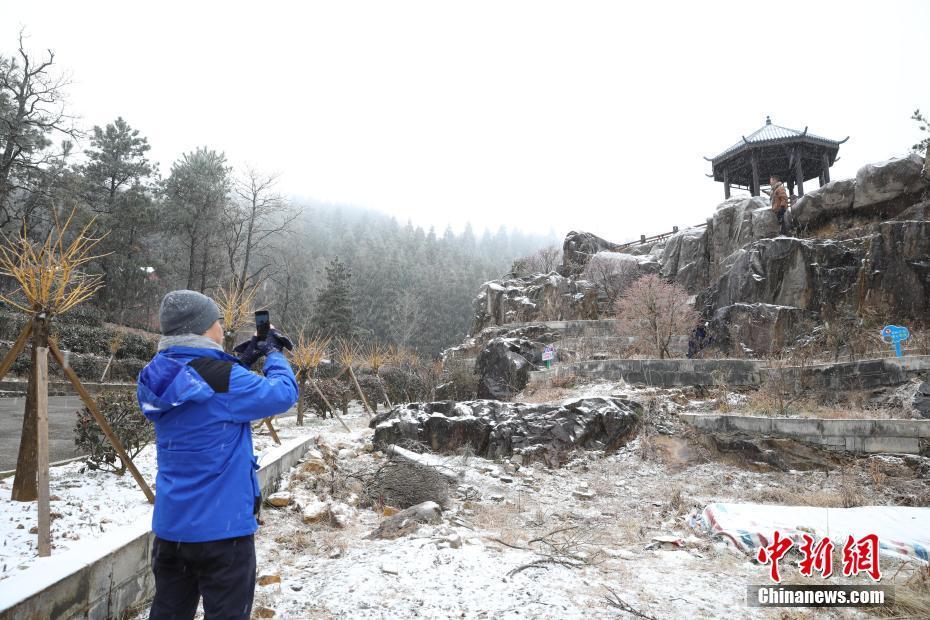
x=50 y=273
x=502 y=517
x=911 y=594
x=308 y=353
x=544 y=394
x=564 y=381
x=236 y=306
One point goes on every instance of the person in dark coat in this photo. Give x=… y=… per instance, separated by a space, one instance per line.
x=202 y=402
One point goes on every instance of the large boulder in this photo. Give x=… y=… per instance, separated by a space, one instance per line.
x=503 y=366
x=824 y=203
x=493 y=429
x=895 y=275
x=886 y=181
x=758 y=329
x=541 y=297
x=736 y=223
x=577 y=250
x=686 y=258
x=887 y=271
x=922 y=399
x=785 y=271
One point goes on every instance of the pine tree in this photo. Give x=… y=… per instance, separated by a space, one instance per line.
x=332 y=311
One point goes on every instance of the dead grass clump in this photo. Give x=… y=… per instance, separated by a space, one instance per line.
x=911 y=595
x=564 y=380
x=502 y=517
x=402 y=484
x=544 y=395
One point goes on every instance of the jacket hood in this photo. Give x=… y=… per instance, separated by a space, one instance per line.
x=168 y=382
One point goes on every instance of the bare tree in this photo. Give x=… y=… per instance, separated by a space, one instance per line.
x=544 y=260
x=408 y=316
x=654 y=311
x=256 y=214
x=31 y=108
x=611 y=275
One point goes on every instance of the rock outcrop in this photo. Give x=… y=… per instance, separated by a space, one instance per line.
x=503 y=366
x=541 y=297
x=887 y=181
x=578 y=249
x=860 y=243
x=824 y=203
x=742 y=330
x=492 y=429
x=921 y=400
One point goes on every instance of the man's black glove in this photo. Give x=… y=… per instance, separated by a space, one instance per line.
x=249 y=351
x=276 y=341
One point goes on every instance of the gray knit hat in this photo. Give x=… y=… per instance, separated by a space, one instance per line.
x=187 y=312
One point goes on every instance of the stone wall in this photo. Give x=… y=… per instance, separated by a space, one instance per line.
x=864 y=374
x=96 y=584
x=657 y=373
x=870 y=436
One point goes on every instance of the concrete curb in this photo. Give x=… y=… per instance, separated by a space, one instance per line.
x=867 y=436
x=94 y=583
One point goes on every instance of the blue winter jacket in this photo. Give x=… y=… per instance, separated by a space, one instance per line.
x=202 y=402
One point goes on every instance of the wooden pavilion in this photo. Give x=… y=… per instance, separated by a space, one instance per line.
x=794 y=156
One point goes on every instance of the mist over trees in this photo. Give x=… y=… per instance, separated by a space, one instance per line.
x=211 y=224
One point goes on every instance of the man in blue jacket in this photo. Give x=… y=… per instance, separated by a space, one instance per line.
x=202 y=402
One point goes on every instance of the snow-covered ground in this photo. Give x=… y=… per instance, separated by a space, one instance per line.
x=514 y=541
x=600 y=514
x=88 y=504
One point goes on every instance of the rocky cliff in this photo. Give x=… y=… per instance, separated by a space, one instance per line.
x=857 y=243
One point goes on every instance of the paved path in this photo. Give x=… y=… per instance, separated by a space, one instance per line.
x=61 y=419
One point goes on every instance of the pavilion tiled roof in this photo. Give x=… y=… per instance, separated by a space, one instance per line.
x=774 y=134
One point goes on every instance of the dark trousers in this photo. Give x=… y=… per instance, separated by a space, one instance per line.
x=222 y=571
x=780 y=214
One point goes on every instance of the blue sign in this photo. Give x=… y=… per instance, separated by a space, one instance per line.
x=548 y=353
x=895 y=334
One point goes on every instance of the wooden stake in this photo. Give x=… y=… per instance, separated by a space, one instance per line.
x=274 y=433
x=384 y=391
x=301 y=386
x=358 y=389
x=328 y=404
x=101 y=421
x=106 y=369
x=18 y=347
x=25 y=487
x=41 y=371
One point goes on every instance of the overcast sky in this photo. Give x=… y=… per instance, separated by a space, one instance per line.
x=534 y=115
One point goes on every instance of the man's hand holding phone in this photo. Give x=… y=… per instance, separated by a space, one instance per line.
x=266 y=340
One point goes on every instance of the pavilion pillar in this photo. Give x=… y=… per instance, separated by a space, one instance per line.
x=754 y=162
x=825 y=161
x=726 y=183
x=798 y=173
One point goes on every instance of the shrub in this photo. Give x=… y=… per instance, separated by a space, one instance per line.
x=130 y=426
x=461 y=384
x=403 y=383
x=655 y=311
x=402 y=484
x=371 y=388
x=336 y=391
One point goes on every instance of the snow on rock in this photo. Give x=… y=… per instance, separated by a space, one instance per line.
x=495 y=429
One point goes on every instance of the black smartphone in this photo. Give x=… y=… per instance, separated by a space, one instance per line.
x=262 y=324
